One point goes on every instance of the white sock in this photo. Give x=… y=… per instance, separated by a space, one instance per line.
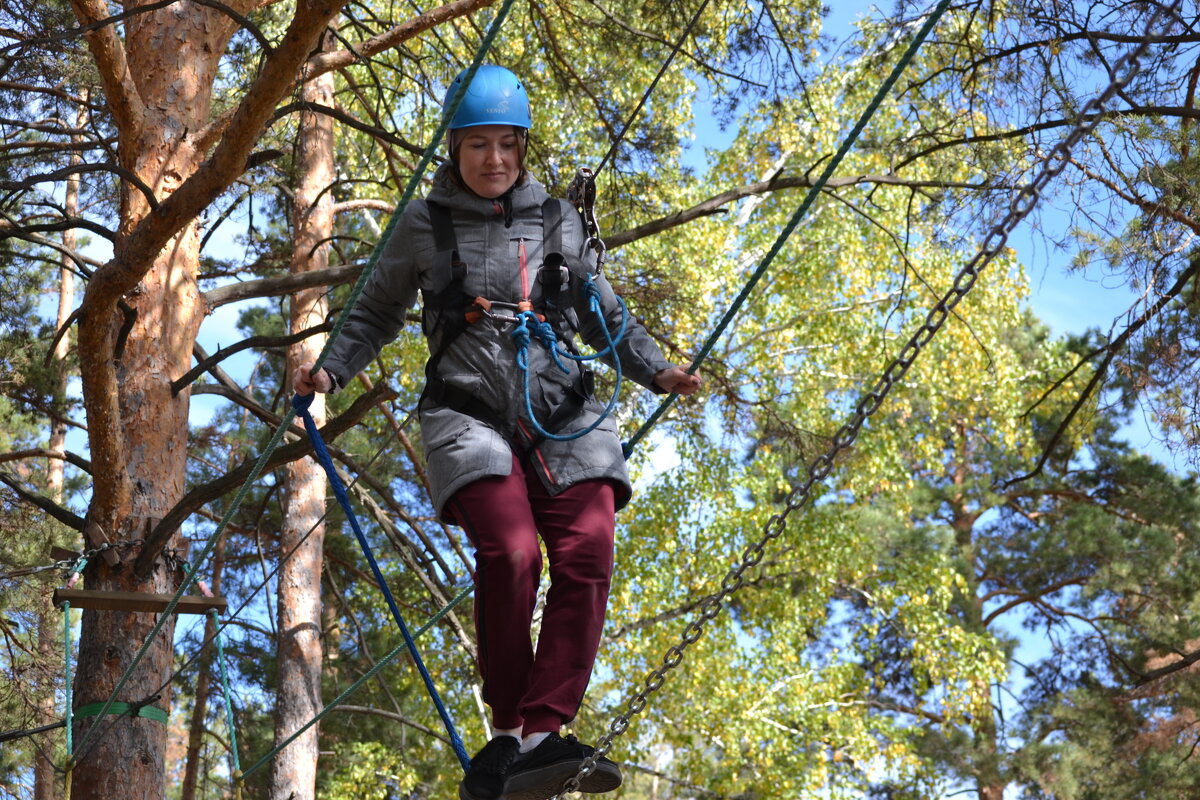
x=533 y=740
x=513 y=732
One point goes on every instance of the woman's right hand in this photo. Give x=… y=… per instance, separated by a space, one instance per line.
x=305 y=381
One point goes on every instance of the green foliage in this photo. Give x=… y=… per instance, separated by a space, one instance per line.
x=371 y=771
x=922 y=626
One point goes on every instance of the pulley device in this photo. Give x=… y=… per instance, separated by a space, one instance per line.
x=582 y=194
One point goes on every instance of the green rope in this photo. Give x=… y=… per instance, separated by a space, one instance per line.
x=68 y=698
x=233 y=748
x=354 y=687
x=809 y=199
x=66 y=606
x=191 y=569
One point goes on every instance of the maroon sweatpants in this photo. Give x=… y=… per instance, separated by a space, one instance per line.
x=503 y=518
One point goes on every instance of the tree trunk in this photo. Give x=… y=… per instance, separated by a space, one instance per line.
x=158 y=84
x=986 y=764
x=294 y=770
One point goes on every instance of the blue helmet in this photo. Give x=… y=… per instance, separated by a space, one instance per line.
x=495 y=97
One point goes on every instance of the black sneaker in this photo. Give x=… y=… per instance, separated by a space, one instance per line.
x=489 y=768
x=543 y=771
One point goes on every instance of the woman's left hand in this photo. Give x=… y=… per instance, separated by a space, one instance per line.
x=677 y=380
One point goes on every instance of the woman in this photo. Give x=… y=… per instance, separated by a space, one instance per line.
x=512 y=456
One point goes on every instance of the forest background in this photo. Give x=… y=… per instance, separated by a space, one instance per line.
x=991 y=595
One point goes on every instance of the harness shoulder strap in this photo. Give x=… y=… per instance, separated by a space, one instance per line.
x=443 y=226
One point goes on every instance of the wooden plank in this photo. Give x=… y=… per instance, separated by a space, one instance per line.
x=136 y=601
x=96 y=537
x=63 y=554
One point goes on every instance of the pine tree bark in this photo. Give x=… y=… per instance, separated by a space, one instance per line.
x=294 y=770
x=141 y=314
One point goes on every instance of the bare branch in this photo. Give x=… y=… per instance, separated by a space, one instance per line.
x=41 y=501
x=716 y=204
x=1114 y=347
x=205 y=493
x=208 y=363
x=109 y=53
x=42 y=452
x=281 y=285
x=394 y=37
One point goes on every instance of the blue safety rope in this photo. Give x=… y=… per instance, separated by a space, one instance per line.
x=301 y=404
x=593 y=295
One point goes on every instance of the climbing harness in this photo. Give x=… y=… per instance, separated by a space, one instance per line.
x=449 y=311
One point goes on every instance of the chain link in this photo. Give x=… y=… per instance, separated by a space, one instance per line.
x=68 y=564
x=1020 y=206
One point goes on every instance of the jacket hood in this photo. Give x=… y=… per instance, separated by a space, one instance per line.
x=525 y=196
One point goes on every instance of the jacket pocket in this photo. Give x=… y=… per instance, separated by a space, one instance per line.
x=555 y=397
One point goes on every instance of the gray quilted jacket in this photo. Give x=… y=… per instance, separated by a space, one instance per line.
x=464 y=444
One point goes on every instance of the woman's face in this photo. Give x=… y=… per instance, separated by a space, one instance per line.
x=489 y=159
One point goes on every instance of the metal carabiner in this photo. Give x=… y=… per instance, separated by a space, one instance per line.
x=582 y=194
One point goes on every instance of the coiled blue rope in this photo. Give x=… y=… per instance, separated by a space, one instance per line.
x=529 y=327
x=301 y=404
x=593 y=295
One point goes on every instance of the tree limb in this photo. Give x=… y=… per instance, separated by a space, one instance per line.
x=128 y=111
x=205 y=493
x=1181 y=112
x=325 y=62
x=207 y=363
x=716 y=204
x=44 y=503
x=379 y=712
x=1175 y=666
x=42 y=452
x=1114 y=347
x=283 y=284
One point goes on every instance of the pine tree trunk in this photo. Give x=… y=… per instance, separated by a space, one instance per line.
x=171 y=57
x=294 y=770
x=986 y=765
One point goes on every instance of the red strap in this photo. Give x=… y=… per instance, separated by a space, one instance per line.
x=524 y=271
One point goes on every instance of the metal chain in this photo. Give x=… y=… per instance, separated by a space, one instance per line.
x=67 y=565
x=1025 y=200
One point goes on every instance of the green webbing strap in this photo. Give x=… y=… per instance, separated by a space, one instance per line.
x=122 y=709
x=190 y=569
x=354 y=687
x=811 y=197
